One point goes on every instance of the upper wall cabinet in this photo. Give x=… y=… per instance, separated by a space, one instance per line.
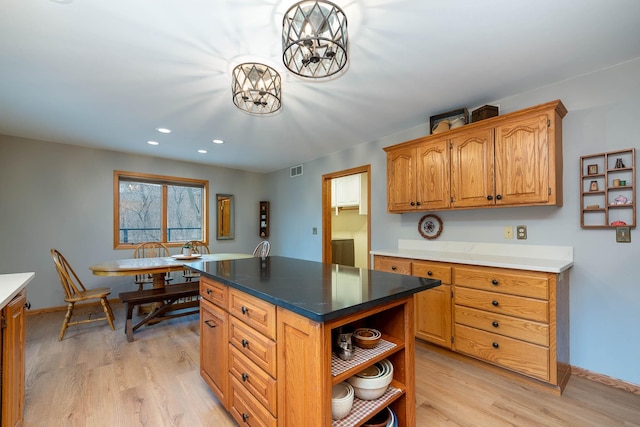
x=510 y=160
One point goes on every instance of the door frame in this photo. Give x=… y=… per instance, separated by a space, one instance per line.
x=327 y=211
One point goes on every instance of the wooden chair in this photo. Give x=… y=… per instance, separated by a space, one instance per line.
x=150 y=250
x=76 y=292
x=262 y=249
x=198 y=248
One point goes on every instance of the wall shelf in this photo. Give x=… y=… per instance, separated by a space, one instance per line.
x=263 y=228
x=608 y=189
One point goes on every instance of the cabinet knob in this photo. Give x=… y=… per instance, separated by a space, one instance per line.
x=489 y=197
x=418 y=203
x=412 y=203
x=495 y=303
x=208 y=291
x=245 y=377
x=394 y=268
x=27 y=305
x=245 y=343
x=499 y=197
x=429 y=273
x=495 y=345
x=495 y=324
x=244 y=310
x=245 y=417
x=209 y=323
x=495 y=282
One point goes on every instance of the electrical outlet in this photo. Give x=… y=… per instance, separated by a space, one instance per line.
x=314 y=230
x=508 y=232
x=521 y=231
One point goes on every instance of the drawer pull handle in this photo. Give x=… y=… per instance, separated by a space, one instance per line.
x=495 y=324
x=495 y=303
x=429 y=273
x=210 y=324
x=245 y=417
x=244 y=309
x=245 y=343
x=245 y=377
x=495 y=345
x=394 y=268
x=208 y=291
x=27 y=305
x=495 y=282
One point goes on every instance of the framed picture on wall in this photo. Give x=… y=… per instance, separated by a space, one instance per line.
x=592 y=169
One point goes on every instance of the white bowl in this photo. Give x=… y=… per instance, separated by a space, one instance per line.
x=341 y=400
x=372 y=388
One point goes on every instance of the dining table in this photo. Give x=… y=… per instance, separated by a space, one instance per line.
x=157 y=267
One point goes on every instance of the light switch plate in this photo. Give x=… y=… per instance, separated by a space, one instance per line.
x=521 y=232
x=508 y=232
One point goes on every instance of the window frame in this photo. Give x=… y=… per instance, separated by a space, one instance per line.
x=164 y=181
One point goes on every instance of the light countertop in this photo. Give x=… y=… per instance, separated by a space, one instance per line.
x=12 y=284
x=552 y=259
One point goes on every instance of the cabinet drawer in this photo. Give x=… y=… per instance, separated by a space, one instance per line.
x=254 y=379
x=259 y=314
x=214 y=292
x=245 y=409
x=392 y=265
x=525 y=358
x=431 y=271
x=521 y=283
x=260 y=349
x=526 y=330
x=526 y=308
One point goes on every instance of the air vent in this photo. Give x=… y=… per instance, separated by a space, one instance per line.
x=296 y=171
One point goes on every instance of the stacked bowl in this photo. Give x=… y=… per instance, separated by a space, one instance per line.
x=367 y=337
x=341 y=400
x=372 y=382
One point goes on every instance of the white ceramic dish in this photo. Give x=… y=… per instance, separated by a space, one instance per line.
x=372 y=388
x=341 y=400
x=182 y=257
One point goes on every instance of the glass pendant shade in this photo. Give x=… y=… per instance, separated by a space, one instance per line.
x=256 y=88
x=314 y=39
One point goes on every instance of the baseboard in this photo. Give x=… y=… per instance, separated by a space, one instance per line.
x=579 y=372
x=35 y=311
x=606 y=380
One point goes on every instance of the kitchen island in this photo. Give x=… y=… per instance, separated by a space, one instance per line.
x=266 y=338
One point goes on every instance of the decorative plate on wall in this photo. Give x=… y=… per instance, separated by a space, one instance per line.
x=430 y=226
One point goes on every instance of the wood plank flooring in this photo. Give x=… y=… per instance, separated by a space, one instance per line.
x=95 y=378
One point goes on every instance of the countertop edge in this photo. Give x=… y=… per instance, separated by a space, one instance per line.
x=516 y=263
x=12 y=284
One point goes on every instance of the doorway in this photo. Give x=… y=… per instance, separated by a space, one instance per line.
x=346 y=219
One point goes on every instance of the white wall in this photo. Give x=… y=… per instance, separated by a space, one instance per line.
x=605 y=281
x=61 y=196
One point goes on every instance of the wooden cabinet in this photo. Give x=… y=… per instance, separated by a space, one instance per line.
x=432 y=311
x=281 y=368
x=608 y=189
x=213 y=349
x=418 y=177
x=12 y=362
x=515 y=319
x=509 y=160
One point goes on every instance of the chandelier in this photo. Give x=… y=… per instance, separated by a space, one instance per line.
x=314 y=39
x=256 y=88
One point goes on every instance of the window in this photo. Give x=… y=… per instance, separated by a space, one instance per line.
x=159 y=209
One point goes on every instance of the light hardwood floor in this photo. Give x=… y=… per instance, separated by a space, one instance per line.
x=95 y=378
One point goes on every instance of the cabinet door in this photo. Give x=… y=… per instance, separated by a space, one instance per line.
x=433 y=315
x=522 y=161
x=472 y=169
x=13 y=362
x=433 y=175
x=401 y=180
x=213 y=349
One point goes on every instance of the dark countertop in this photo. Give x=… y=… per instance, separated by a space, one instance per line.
x=320 y=292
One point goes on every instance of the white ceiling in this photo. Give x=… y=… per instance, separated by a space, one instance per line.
x=107 y=73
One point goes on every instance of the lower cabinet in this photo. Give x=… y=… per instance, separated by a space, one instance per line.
x=12 y=362
x=213 y=348
x=514 y=319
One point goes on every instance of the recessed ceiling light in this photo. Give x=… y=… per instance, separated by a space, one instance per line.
x=163 y=130
x=202 y=151
x=218 y=141
x=153 y=143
